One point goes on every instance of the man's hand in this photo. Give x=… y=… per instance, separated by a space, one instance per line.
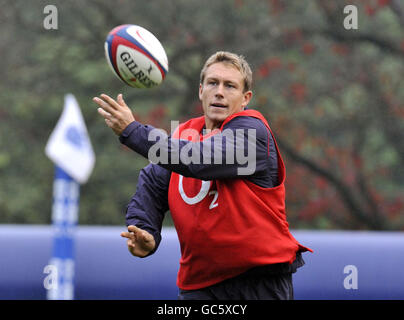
x=140 y=242
x=117 y=114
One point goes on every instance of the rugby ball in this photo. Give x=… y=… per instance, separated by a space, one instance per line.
x=136 y=56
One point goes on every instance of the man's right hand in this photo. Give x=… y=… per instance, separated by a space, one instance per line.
x=140 y=242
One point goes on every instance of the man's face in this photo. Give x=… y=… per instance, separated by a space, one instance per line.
x=222 y=93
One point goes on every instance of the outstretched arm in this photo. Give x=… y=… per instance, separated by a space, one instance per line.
x=261 y=162
x=145 y=211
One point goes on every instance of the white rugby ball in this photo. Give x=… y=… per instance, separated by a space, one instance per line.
x=136 y=56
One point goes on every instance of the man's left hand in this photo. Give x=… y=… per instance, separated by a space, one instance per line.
x=117 y=114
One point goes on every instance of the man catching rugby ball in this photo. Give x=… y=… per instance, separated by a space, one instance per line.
x=222 y=178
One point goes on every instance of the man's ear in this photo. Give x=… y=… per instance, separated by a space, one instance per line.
x=200 y=91
x=247 y=98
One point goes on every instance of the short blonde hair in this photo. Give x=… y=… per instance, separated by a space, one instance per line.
x=235 y=60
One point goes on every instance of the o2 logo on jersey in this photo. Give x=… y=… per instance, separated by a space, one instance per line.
x=203 y=192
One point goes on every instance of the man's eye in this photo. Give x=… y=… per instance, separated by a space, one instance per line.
x=229 y=85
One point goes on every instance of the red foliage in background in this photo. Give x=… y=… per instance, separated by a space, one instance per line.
x=298 y=91
x=371 y=7
x=265 y=69
x=340 y=49
x=308 y=48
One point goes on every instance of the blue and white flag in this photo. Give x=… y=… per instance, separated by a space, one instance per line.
x=69 y=147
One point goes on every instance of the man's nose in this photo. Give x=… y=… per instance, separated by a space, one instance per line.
x=219 y=90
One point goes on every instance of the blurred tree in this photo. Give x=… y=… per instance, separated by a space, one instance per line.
x=333 y=98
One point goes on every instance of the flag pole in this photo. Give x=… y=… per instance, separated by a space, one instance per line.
x=64 y=220
x=70 y=149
